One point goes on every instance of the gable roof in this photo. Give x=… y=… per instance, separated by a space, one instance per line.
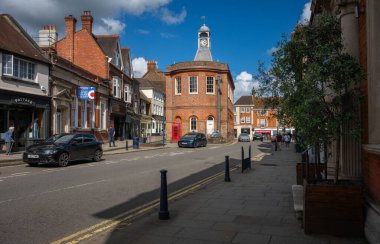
x=156 y=79
x=108 y=43
x=144 y=97
x=13 y=38
x=244 y=100
x=145 y=83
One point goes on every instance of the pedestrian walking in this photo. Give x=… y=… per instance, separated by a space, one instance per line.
x=9 y=140
x=111 y=136
x=287 y=140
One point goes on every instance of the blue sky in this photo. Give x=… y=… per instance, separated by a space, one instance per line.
x=242 y=31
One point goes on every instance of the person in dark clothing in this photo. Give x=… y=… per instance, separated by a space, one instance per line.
x=111 y=136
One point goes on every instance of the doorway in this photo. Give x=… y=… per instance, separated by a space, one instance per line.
x=210 y=125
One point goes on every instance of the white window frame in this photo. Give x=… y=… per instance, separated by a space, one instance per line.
x=103 y=115
x=208 y=79
x=242 y=110
x=248 y=120
x=116 y=87
x=74 y=113
x=247 y=110
x=84 y=114
x=196 y=84
x=193 y=124
x=242 y=120
x=127 y=93
x=27 y=74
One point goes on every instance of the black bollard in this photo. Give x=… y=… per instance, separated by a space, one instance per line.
x=227 y=170
x=242 y=159
x=126 y=144
x=249 y=154
x=275 y=145
x=164 y=212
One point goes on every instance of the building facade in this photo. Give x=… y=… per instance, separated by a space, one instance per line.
x=199 y=94
x=252 y=116
x=103 y=56
x=25 y=102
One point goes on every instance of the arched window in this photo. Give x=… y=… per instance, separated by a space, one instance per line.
x=193 y=124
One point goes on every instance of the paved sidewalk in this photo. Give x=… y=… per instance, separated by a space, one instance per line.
x=16 y=157
x=256 y=207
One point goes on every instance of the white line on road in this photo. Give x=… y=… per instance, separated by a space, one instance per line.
x=52 y=191
x=14 y=175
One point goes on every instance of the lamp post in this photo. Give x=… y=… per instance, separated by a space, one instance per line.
x=219 y=80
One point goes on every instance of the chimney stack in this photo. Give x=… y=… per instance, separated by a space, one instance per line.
x=87 y=20
x=70 y=22
x=151 y=65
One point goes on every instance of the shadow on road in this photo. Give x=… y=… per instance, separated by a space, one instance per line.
x=146 y=197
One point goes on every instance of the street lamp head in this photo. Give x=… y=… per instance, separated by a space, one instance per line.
x=219 y=78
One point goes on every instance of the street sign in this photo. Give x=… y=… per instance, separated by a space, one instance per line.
x=86 y=93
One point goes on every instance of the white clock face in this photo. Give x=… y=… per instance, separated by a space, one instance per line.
x=203 y=42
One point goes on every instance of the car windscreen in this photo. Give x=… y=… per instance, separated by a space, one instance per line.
x=52 y=139
x=64 y=139
x=243 y=134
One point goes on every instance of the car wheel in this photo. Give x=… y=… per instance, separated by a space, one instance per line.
x=63 y=159
x=33 y=164
x=97 y=155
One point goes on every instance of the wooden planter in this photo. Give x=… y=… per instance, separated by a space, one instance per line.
x=312 y=174
x=333 y=209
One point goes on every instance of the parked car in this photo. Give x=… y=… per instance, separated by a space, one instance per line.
x=258 y=136
x=244 y=137
x=215 y=134
x=63 y=148
x=193 y=139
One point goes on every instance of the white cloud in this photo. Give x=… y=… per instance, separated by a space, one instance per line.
x=110 y=26
x=272 y=50
x=305 y=16
x=170 y=18
x=32 y=14
x=139 y=66
x=244 y=83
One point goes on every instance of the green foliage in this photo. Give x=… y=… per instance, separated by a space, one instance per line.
x=314 y=82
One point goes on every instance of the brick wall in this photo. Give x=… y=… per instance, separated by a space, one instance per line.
x=371 y=173
x=182 y=107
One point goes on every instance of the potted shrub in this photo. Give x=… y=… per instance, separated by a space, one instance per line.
x=315 y=83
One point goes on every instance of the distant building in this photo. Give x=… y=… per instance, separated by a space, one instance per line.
x=199 y=94
x=253 y=116
x=25 y=101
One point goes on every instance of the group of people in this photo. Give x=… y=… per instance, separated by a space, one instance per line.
x=287 y=138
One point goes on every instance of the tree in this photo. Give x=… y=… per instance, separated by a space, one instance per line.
x=315 y=83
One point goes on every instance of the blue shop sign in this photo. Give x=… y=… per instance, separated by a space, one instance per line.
x=86 y=93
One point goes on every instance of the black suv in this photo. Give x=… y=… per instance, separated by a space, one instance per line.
x=193 y=139
x=258 y=136
x=63 y=148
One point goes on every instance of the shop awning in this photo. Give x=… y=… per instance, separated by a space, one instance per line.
x=262 y=131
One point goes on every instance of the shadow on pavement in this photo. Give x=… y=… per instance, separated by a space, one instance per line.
x=155 y=194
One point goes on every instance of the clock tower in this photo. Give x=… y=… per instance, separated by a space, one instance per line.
x=204 y=45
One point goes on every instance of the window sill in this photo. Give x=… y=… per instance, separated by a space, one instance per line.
x=12 y=78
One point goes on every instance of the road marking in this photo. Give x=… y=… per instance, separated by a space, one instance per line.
x=134 y=213
x=52 y=191
x=15 y=175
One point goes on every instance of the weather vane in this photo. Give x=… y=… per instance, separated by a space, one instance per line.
x=204 y=19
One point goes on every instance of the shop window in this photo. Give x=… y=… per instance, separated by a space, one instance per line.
x=103 y=115
x=74 y=113
x=84 y=114
x=92 y=114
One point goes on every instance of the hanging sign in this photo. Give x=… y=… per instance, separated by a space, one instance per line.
x=86 y=93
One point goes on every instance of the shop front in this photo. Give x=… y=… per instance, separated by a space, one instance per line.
x=118 y=113
x=29 y=114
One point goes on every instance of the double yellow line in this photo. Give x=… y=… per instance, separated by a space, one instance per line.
x=136 y=212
